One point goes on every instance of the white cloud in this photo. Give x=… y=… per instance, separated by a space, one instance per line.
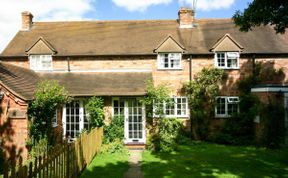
x=139 y=5
x=43 y=10
x=207 y=5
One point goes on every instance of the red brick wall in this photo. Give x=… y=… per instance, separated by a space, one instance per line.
x=16 y=132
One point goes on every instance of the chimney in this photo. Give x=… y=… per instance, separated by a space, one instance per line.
x=186 y=17
x=27 y=21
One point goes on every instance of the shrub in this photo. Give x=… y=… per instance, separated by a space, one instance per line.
x=95 y=107
x=273 y=118
x=115 y=130
x=115 y=146
x=164 y=139
x=48 y=96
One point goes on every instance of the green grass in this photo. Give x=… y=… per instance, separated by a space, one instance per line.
x=212 y=160
x=107 y=165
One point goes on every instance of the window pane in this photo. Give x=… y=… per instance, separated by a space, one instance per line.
x=221 y=59
x=220 y=106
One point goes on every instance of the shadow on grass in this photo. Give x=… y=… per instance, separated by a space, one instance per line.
x=211 y=160
x=107 y=166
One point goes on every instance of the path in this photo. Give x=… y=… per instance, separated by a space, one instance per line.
x=134 y=170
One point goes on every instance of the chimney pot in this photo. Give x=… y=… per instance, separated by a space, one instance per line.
x=27 y=20
x=186 y=17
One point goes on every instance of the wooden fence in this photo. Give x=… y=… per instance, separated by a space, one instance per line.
x=64 y=161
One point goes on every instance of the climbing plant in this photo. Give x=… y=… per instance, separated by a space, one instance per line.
x=48 y=96
x=201 y=94
x=95 y=109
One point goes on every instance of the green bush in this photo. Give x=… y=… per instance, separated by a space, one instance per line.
x=164 y=139
x=273 y=118
x=1 y=160
x=95 y=107
x=115 y=130
x=115 y=146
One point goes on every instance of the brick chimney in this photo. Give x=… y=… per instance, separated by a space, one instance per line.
x=27 y=21
x=186 y=17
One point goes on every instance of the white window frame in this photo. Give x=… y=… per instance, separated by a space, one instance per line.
x=36 y=62
x=228 y=99
x=81 y=117
x=161 y=62
x=175 y=108
x=55 y=119
x=236 y=55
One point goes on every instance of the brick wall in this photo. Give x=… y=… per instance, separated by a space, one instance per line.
x=14 y=113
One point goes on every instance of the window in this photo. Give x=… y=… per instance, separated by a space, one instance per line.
x=227 y=60
x=169 y=61
x=40 y=62
x=226 y=106
x=118 y=107
x=175 y=107
x=54 y=119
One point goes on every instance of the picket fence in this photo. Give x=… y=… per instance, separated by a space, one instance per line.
x=64 y=161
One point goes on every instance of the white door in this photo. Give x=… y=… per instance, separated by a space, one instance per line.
x=74 y=118
x=134 y=121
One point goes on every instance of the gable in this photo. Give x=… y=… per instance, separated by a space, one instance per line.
x=226 y=43
x=169 y=45
x=41 y=46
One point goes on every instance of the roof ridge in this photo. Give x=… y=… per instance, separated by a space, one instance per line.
x=97 y=21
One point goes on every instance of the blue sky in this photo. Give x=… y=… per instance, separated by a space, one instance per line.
x=65 y=10
x=107 y=10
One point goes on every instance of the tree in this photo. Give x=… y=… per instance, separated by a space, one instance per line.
x=201 y=93
x=48 y=96
x=263 y=12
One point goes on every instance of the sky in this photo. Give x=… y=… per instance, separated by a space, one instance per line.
x=68 y=10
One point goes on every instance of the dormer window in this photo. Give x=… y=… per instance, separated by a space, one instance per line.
x=227 y=60
x=169 y=60
x=40 y=62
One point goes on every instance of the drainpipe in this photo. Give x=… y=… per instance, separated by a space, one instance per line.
x=253 y=63
x=190 y=68
x=68 y=64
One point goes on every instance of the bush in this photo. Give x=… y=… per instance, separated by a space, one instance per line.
x=273 y=118
x=164 y=139
x=1 y=160
x=95 y=107
x=115 y=130
x=115 y=146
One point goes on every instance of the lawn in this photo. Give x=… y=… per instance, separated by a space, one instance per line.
x=107 y=165
x=212 y=160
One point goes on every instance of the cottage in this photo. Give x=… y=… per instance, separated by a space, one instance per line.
x=113 y=59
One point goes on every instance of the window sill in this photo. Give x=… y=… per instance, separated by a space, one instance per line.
x=226 y=68
x=164 y=69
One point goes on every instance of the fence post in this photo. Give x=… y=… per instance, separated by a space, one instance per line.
x=67 y=160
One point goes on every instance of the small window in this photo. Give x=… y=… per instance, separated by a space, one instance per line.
x=40 y=62
x=175 y=107
x=169 y=61
x=226 y=106
x=54 y=120
x=118 y=107
x=227 y=60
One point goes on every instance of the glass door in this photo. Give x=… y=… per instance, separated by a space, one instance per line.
x=134 y=121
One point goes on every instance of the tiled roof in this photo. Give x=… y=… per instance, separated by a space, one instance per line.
x=22 y=82
x=141 y=37
x=19 y=80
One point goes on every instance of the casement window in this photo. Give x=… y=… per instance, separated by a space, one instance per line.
x=54 y=119
x=40 y=62
x=226 y=106
x=227 y=60
x=169 y=60
x=118 y=107
x=175 y=107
